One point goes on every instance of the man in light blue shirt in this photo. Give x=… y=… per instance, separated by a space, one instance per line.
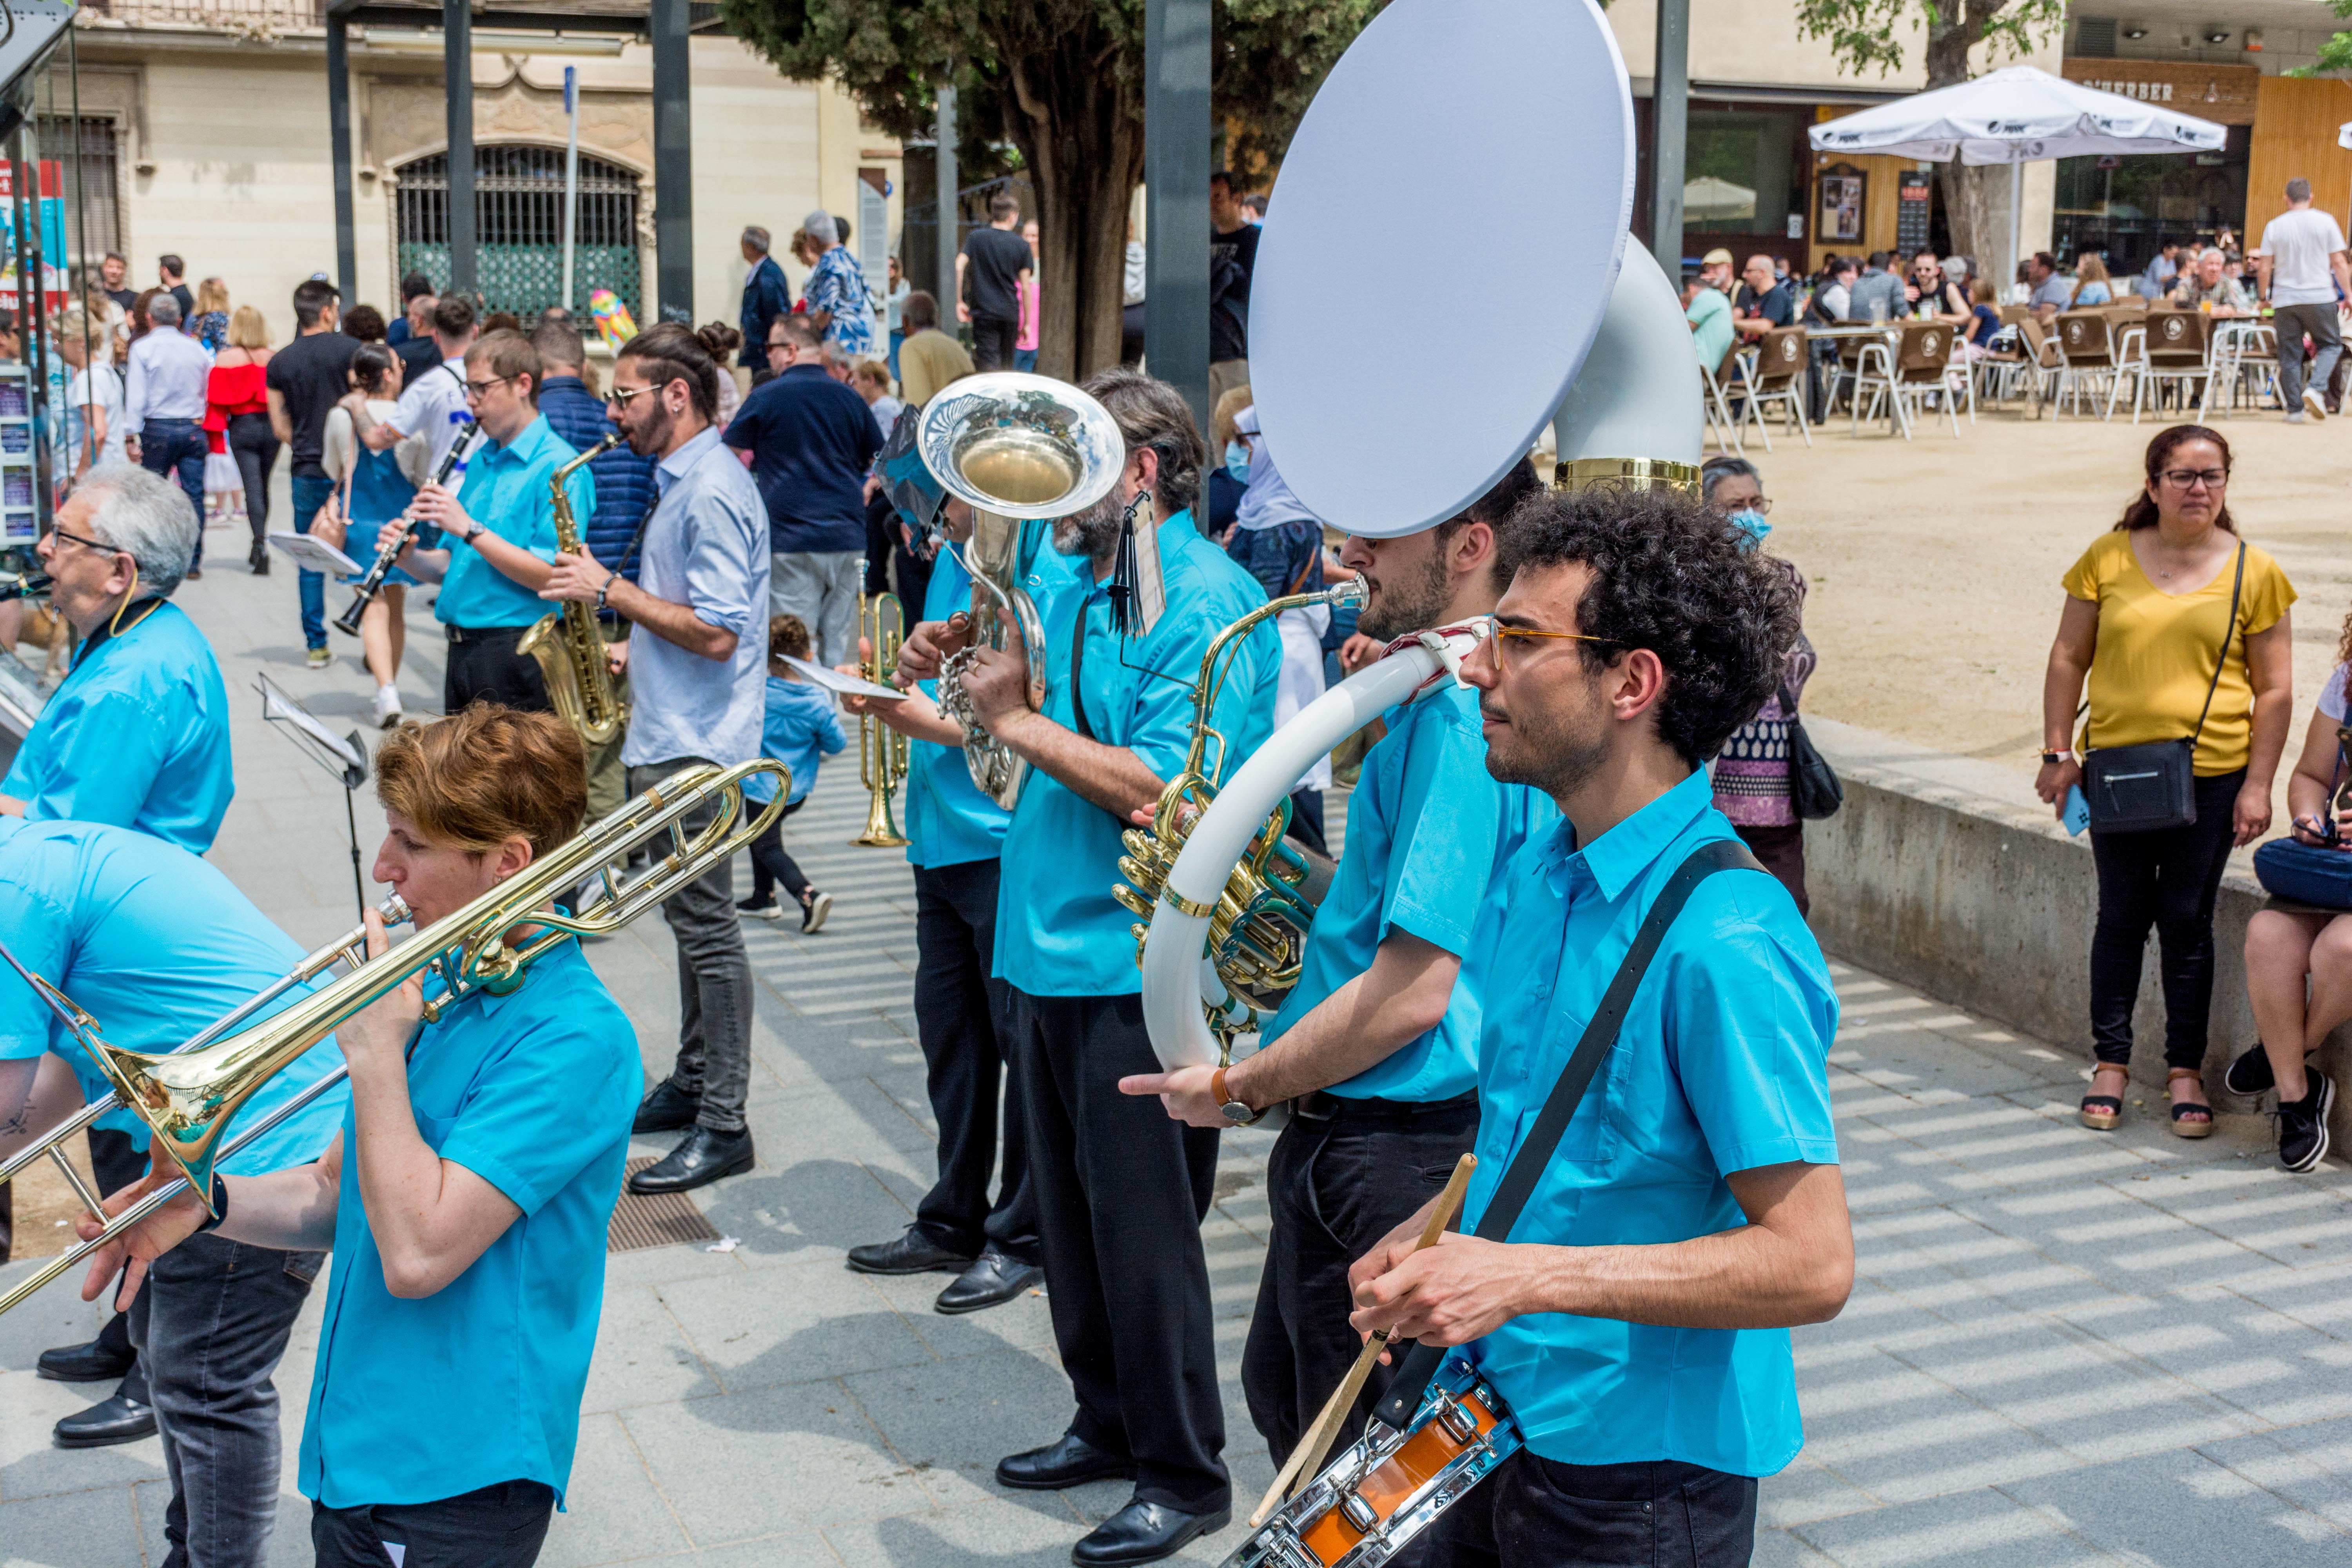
x=137 y=733
x=1635 y=1318
x=698 y=664
x=1120 y=1188
x=155 y=944
x=1376 y=1046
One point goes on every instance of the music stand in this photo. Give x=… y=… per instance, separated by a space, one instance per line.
x=345 y=757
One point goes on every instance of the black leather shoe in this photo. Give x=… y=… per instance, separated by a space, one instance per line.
x=1068 y=1460
x=120 y=1419
x=700 y=1158
x=258 y=559
x=96 y=1362
x=666 y=1110
x=913 y=1253
x=991 y=1280
x=1145 y=1532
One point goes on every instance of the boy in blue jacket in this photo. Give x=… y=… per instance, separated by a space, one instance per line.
x=800 y=725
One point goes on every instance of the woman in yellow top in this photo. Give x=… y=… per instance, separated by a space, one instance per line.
x=2148 y=615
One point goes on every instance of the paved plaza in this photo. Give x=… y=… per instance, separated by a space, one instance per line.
x=2063 y=1347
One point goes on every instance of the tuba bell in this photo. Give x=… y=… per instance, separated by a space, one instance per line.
x=1016 y=449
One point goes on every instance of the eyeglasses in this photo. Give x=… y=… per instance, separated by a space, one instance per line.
x=1507 y=636
x=2189 y=478
x=622 y=397
x=57 y=532
x=478 y=389
x=776 y=343
x=1762 y=505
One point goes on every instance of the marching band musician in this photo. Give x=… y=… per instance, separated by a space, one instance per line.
x=1120 y=1189
x=1636 y=1322
x=466 y=1194
x=497 y=531
x=1377 y=1043
x=137 y=733
x=955 y=836
x=156 y=944
x=699 y=679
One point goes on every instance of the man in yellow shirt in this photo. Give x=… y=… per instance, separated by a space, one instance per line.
x=928 y=359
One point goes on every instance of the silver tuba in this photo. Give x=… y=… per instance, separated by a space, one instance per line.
x=1015 y=448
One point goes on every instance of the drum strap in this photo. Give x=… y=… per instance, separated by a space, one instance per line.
x=1527 y=1167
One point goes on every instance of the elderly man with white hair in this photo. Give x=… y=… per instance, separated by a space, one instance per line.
x=2204 y=285
x=164 y=408
x=137 y=733
x=836 y=287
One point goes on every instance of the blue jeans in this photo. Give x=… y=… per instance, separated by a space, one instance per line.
x=310 y=493
x=1024 y=359
x=165 y=445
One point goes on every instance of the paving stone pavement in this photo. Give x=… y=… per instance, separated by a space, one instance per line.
x=2063 y=1347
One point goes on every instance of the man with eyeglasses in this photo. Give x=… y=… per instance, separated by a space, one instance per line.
x=497 y=531
x=1376 y=1046
x=1690 y=1209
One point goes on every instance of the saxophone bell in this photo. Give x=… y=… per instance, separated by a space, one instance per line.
x=569 y=644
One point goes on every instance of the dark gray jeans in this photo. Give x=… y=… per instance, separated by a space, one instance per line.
x=714 y=977
x=2293 y=323
x=210 y=1327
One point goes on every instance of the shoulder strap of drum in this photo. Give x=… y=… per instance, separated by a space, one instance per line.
x=1527 y=1167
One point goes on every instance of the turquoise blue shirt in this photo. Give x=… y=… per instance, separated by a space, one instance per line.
x=154 y=945
x=949 y=820
x=480 y=1382
x=1059 y=932
x=1427 y=828
x=510 y=491
x=136 y=734
x=1721 y=1065
x=800 y=725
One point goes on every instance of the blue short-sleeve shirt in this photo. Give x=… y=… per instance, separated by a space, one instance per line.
x=801 y=727
x=949 y=820
x=510 y=491
x=1059 y=932
x=415 y=1400
x=1427 y=827
x=136 y=734
x=103 y=913
x=1721 y=1067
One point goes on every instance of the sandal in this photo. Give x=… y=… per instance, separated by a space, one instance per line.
x=2190 y=1119
x=2103 y=1112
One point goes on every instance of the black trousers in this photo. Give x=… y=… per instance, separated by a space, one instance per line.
x=484 y=666
x=1344 y=1174
x=2168 y=879
x=1120 y=1191
x=254 y=445
x=1306 y=821
x=117 y=1159
x=771 y=864
x=499 y=1526
x=1533 y=1512
x=992 y=338
x=964 y=1015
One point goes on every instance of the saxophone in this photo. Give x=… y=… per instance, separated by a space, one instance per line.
x=568 y=645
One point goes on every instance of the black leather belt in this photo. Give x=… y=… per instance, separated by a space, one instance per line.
x=1316 y=1105
x=482 y=634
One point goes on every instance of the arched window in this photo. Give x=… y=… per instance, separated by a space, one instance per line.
x=518 y=227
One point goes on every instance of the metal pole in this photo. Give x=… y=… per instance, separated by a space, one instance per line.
x=1176 y=197
x=673 y=164
x=571 y=172
x=339 y=139
x=458 y=77
x=1669 y=135
x=2016 y=223
x=946 y=237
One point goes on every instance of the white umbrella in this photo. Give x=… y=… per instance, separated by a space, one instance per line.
x=1709 y=198
x=2017 y=115
x=2344 y=135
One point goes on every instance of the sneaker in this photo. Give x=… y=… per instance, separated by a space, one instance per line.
x=320 y=658
x=2295 y=416
x=813 y=909
x=2314 y=403
x=769 y=910
x=192 y=575
x=2303 y=1124
x=387 y=707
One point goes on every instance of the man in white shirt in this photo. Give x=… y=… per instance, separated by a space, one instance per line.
x=164 y=407
x=2300 y=264
x=433 y=403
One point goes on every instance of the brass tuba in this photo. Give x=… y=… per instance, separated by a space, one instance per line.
x=882 y=754
x=569 y=644
x=1015 y=448
x=188 y=1098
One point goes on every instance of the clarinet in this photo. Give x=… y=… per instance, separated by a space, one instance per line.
x=31 y=585
x=401 y=530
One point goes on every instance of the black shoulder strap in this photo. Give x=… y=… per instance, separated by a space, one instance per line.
x=1077 y=673
x=1527 y=1167
x=2237 y=584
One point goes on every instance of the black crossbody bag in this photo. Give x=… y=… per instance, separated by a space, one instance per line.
x=2142 y=788
x=1527 y=1167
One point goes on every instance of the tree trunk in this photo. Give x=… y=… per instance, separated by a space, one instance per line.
x=1975 y=201
x=1078 y=122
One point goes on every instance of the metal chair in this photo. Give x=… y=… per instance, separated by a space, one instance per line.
x=2086 y=357
x=2173 y=349
x=1720 y=427
x=2244 y=363
x=1773 y=371
x=1919 y=363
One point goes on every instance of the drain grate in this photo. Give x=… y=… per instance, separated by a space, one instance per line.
x=653 y=1219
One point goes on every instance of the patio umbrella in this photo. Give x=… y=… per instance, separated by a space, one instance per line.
x=2016 y=115
x=1709 y=198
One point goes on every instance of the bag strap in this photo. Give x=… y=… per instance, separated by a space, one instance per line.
x=1528 y=1166
x=2228 y=634
x=1077 y=668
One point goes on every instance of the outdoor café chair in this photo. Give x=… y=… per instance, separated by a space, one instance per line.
x=1918 y=364
x=1774 y=372
x=1720 y=425
x=2172 y=351
x=2088 y=358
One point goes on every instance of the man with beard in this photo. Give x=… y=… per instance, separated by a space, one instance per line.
x=1632 y=1305
x=1376 y=1044
x=698 y=694
x=1120 y=1189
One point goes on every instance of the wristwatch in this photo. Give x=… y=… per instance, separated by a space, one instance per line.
x=1233 y=1110
x=2051 y=759
x=475 y=530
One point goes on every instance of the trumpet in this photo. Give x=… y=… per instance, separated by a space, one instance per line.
x=395 y=534
x=567 y=645
x=189 y=1098
x=882 y=754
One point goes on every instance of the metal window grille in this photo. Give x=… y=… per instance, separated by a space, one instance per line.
x=101 y=212
x=518 y=227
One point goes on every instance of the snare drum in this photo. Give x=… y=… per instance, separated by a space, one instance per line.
x=1390 y=1486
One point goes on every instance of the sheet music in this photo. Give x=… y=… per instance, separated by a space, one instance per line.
x=848 y=685
x=274 y=706
x=315 y=554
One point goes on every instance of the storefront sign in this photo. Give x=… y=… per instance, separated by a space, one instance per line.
x=1911 y=196
x=2223 y=94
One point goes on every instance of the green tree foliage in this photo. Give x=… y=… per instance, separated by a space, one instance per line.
x=2335 y=54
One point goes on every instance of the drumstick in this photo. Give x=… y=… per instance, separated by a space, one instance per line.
x=1318 y=1440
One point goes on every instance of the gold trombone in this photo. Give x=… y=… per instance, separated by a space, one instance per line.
x=188 y=1098
x=882 y=754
